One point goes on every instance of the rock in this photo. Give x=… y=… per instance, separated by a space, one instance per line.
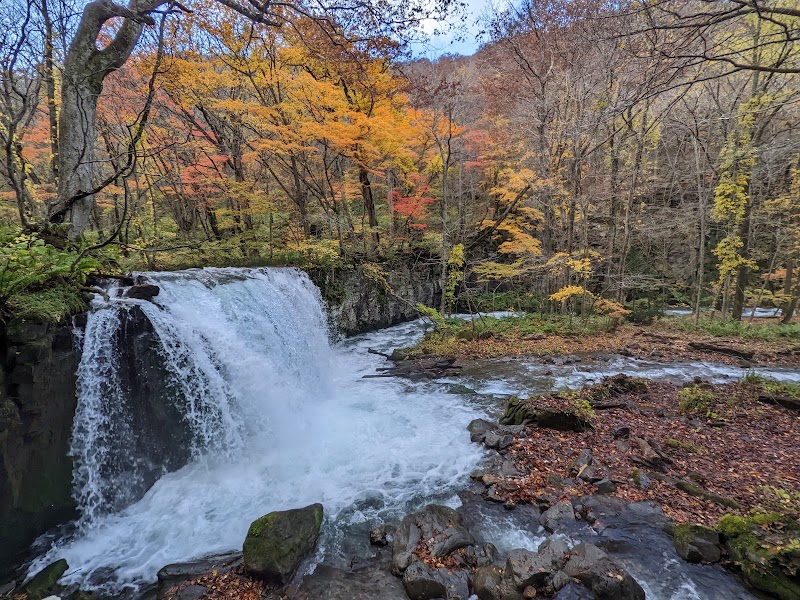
x=641 y=479
x=381 y=535
x=422 y=582
x=80 y=595
x=562 y=511
x=278 y=542
x=605 y=486
x=176 y=573
x=762 y=545
x=53 y=598
x=525 y=412
x=38 y=366
x=493 y=495
x=559 y=580
x=144 y=291
x=497 y=441
x=573 y=591
x=593 y=568
x=621 y=433
x=39 y=585
x=478 y=428
x=534 y=568
x=584 y=459
x=696 y=543
x=190 y=592
x=366 y=580
x=440 y=527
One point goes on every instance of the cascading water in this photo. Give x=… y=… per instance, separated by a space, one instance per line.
x=268 y=415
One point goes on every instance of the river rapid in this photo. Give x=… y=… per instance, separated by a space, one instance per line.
x=281 y=417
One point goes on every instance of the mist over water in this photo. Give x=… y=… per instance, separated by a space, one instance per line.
x=279 y=418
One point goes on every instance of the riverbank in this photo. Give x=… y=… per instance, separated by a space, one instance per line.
x=764 y=343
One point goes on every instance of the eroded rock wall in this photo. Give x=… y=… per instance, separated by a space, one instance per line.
x=37 y=402
x=359 y=300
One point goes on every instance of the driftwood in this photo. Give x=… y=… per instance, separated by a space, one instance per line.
x=784 y=401
x=418 y=368
x=704 y=347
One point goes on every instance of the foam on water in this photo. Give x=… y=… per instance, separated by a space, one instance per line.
x=279 y=418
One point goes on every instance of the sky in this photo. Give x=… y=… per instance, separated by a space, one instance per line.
x=458 y=38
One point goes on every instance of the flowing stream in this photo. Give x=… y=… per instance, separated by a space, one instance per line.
x=272 y=415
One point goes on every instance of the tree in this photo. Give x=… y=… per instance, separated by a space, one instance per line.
x=91 y=58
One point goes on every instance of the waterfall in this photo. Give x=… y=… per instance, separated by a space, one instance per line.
x=217 y=331
x=224 y=399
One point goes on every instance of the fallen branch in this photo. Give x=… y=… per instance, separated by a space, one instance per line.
x=784 y=401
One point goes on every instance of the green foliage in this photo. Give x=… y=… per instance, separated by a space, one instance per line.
x=772 y=387
x=644 y=315
x=741 y=329
x=515 y=299
x=39 y=281
x=455 y=267
x=695 y=399
x=431 y=313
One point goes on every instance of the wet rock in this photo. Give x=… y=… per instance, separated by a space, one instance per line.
x=534 y=568
x=38 y=367
x=593 y=568
x=366 y=581
x=422 y=582
x=493 y=495
x=43 y=582
x=145 y=291
x=478 y=428
x=556 y=514
x=278 y=542
x=190 y=592
x=440 y=527
x=174 y=574
x=80 y=595
x=573 y=591
x=559 y=580
x=381 y=535
x=696 y=543
x=493 y=583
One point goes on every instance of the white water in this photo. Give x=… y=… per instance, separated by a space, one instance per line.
x=279 y=417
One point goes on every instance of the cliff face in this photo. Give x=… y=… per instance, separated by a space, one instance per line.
x=363 y=299
x=38 y=363
x=38 y=366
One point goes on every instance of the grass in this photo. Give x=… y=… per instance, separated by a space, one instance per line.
x=746 y=330
x=772 y=387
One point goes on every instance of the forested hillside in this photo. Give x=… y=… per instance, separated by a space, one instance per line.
x=588 y=150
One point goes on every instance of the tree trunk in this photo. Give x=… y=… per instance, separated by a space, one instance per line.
x=369 y=205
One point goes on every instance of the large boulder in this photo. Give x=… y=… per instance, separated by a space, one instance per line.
x=41 y=584
x=277 y=543
x=441 y=529
x=594 y=569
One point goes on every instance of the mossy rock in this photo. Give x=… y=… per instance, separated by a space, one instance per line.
x=277 y=543
x=696 y=543
x=523 y=412
x=767 y=548
x=45 y=580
